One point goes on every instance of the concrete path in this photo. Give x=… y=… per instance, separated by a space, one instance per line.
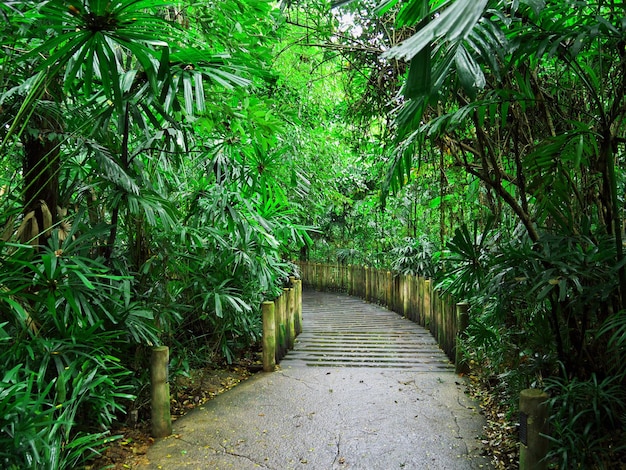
x=363 y=389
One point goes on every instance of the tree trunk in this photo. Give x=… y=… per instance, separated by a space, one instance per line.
x=41 y=181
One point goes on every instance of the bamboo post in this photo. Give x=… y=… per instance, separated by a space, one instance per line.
x=269 y=336
x=533 y=417
x=291 y=323
x=160 y=392
x=368 y=290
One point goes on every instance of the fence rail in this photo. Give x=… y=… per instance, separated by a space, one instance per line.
x=410 y=296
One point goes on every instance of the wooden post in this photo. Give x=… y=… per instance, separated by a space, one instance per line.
x=349 y=280
x=398 y=294
x=462 y=322
x=375 y=285
x=298 y=314
x=368 y=290
x=434 y=316
x=318 y=276
x=282 y=335
x=160 y=392
x=533 y=416
x=377 y=275
x=406 y=296
x=420 y=301
x=427 y=308
x=280 y=331
x=269 y=336
x=291 y=321
x=414 y=298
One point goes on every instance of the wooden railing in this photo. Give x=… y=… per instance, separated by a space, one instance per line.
x=410 y=296
x=282 y=322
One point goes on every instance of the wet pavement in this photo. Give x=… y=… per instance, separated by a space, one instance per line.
x=363 y=389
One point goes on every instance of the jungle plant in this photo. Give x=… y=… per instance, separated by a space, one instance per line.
x=415 y=257
x=231 y=250
x=66 y=321
x=587 y=421
x=43 y=404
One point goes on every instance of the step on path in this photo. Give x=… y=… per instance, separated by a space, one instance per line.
x=342 y=331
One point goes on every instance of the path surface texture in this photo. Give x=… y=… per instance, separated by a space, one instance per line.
x=363 y=389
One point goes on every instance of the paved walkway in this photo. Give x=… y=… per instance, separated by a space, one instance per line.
x=363 y=389
x=342 y=331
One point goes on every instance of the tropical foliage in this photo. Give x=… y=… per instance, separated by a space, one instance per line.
x=164 y=161
x=525 y=97
x=145 y=201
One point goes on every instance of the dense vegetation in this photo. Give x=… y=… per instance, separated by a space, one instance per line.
x=163 y=162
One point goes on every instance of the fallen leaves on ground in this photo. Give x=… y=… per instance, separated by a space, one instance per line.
x=500 y=434
x=129 y=452
x=201 y=386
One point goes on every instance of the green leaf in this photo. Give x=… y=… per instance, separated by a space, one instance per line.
x=199 y=87
x=470 y=75
x=218 y=305
x=454 y=23
x=419 y=81
x=412 y=12
x=536 y=5
x=84 y=279
x=188 y=93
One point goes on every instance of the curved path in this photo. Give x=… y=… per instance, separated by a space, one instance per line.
x=363 y=389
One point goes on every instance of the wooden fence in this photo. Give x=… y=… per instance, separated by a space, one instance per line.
x=282 y=322
x=410 y=296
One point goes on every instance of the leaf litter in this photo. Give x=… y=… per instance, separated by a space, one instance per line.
x=187 y=393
